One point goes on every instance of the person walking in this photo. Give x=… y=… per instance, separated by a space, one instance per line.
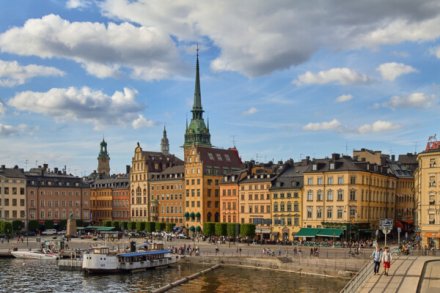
x=386 y=258
x=377 y=256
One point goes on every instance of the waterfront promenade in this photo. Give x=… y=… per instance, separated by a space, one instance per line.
x=405 y=274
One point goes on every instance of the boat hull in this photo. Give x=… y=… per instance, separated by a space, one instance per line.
x=34 y=255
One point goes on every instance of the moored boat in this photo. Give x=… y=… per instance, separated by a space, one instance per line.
x=28 y=254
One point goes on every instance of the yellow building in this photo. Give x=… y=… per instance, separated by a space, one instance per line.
x=12 y=194
x=286 y=196
x=428 y=195
x=343 y=192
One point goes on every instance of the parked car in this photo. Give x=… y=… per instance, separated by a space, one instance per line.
x=29 y=233
x=62 y=232
x=49 y=232
x=182 y=236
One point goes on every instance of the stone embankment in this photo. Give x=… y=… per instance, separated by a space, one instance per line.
x=340 y=268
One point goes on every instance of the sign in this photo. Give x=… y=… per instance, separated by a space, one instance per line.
x=386 y=224
x=386 y=231
x=399 y=229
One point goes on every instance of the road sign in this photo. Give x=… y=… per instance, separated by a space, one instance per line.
x=386 y=223
x=399 y=229
x=386 y=231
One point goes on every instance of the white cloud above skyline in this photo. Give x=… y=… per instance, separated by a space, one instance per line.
x=333 y=124
x=413 y=100
x=378 y=126
x=344 y=98
x=390 y=71
x=8 y=130
x=342 y=76
x=250 y=111
x=83 y=104
x=13 y=74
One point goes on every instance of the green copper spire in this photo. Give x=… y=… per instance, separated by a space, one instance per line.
x=197 y=133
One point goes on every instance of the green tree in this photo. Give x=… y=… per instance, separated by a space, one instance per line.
x=62 y=225
x=2 y=227
x=169 y=227
x=108 y=223
x=117 y=225
x=150 y=227
x=220 y=229
x=132 y=226
x=160 y=226
x=247 y=230
x=17 y=225
x=48 y=224
x=140 y=226
x=125 y=225
x=79 y=223
x=209 y=229
x=7 y=228
x=232 y=229
x=33 y=225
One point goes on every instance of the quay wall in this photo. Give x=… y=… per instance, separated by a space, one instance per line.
x=340 y=268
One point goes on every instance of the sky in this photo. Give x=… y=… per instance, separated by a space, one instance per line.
x=279 y=79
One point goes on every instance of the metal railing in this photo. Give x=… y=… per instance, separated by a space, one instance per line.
x=358 y=279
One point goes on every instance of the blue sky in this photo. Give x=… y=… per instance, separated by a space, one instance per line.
x=282 y=79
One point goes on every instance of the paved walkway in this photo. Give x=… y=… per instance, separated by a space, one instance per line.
x=404 y=276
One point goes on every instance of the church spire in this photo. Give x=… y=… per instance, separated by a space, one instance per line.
x=164 y=143
x=197 y=133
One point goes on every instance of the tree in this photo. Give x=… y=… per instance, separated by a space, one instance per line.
x=209 y=229
x=160 y=226
x=17 y=225
x=247 y=230
x=62 y=224
x=79 y=223
x=232 y=229
x=2 y=227
x=33 y=225
x=124 y=225
x=108 y=223
x=117 y=225
x=220 y=229
x=7 y=228
x=140 y=226
x=48 y=224
x=150 y=227
x=132 y=226
x=169 y=227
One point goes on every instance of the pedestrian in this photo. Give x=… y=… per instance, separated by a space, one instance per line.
x=386 y=258
x=376 y=255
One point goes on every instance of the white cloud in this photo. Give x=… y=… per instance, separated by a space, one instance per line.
x=250 y=111
x=319 y=126
x=101 y=49
x=377 y=126
x=2 y=108
x=437 y=52
x=414 y=100
x=78 y=4
x=12 y=73
x=83 y=104
x=142 y=122
x=7 y=130
x=390 y=71
x=341 y=76
x=258 y=38
x=344 y=98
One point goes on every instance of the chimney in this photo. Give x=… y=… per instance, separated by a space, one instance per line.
x=55 y=170
x=335 y=156
x=393 y=158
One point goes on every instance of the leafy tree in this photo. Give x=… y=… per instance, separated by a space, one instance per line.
x=117 y=225
x=169 y=227
x=160 y=226
x=124 y=225
x=232 y=229
x=33 y=225
x=48 y=224
x=62 y=225
x=150 y=227
x=7 y=228
x=2 y=227
x=247 y=230
x=209 y=229
x=108 y=223
x=17 y=225
x=220 y=229
x=140 y=226
x=132 y=226
x=80 y=223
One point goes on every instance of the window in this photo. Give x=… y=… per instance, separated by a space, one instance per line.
x=352 y=194
x=330 y=180
x=340 y=211
x=310 y=195
x=289 y=206
x=340 y=195
x=353 y=180
x=309 y=212
x=319 y=180
x=340 y=180
x=319 y=212
x=282 y=207
x=296 y=221
x=242 y=209
x=353 y=212
x=329 y=212
x=275 y=207
x=295 y=207
x=310 y=180
x=330 y=195
x=432 y=163
x=319 y=195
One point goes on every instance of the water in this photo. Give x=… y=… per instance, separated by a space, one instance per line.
x=41 y=276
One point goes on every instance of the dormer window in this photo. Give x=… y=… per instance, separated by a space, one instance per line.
x=315 y=167
x=332 y=166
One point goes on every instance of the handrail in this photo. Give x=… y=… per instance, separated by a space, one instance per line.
x=358 y=279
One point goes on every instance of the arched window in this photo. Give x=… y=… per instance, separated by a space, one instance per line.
x=209 y=216
x=217 y=217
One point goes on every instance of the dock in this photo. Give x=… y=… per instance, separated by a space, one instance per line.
x=70 y=264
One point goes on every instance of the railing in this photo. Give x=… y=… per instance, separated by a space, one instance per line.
x=358 y=279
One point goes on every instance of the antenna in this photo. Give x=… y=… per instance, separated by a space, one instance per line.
x=233 y=140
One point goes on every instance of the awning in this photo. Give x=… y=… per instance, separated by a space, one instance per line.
x=307 y=232
x=329 y=232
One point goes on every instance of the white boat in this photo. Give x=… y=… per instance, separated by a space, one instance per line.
x=28 y=254
x=102 y=260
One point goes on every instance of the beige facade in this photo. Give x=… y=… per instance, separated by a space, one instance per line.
x=344 y=192
x=12 y=194
x=427 y=189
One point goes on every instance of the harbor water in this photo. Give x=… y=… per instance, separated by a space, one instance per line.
x=17 y=275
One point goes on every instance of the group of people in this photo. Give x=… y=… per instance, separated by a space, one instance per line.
x=381 y=256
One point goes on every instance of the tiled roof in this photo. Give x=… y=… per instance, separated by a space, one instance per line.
x=12 y=172
x=223 y=158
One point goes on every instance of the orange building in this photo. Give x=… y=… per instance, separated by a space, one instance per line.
x=229 y=201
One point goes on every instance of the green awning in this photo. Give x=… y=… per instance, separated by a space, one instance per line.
x=99 y=228
x=307 y=232
x=330 y=232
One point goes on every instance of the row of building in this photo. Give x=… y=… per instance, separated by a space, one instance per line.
x=213 y=185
